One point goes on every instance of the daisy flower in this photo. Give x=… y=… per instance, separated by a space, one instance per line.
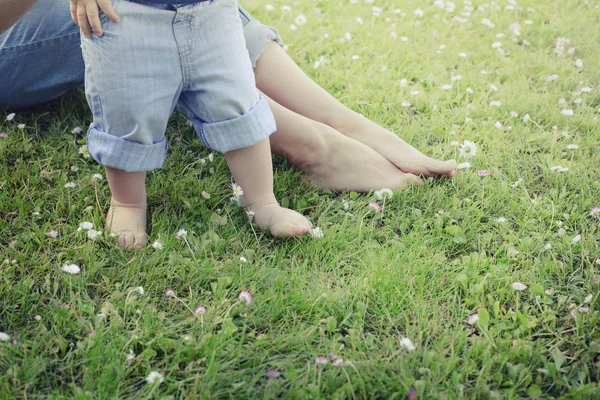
x=83 y=150
x=468 y=149
x=237 y=190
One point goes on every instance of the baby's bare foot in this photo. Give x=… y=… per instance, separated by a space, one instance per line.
x=281 y=222
x=128 y=222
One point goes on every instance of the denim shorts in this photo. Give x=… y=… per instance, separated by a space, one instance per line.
x=47 y=33
x=192 y=57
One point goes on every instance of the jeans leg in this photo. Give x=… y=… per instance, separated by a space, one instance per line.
x=40 y=57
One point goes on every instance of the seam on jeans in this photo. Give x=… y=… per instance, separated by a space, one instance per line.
x=193 y=116
x=95 y=95
x=38 y=41
x=244 y=14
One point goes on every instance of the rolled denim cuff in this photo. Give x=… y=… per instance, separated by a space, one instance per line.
x=125 y=155
x=236 y=133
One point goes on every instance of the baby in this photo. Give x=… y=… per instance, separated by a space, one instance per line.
x=148 y=57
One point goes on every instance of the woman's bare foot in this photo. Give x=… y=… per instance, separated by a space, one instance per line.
x=349 y=165
x=393 y=148
x=281 y=222
x=329 y=159
x=128 y=223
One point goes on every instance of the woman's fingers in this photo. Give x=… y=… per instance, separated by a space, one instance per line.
x=94 y=19
x=106 y=6
x=82 y=21
x=73 y=8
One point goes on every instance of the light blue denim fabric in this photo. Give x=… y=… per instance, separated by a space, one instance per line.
x=193 y=57
x=40 y=57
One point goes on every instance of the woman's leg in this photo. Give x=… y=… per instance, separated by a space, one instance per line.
x=40 y=57
x=281 y=79
x=329 y=159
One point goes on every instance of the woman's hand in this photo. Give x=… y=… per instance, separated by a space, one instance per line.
x=85 y=14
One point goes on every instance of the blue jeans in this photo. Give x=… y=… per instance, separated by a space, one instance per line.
x=40 y=57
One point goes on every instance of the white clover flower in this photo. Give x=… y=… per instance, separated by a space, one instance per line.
x=181 y=234
x=322 y=360
x=384 y=193
x=407 y=344
x=157 y=245
x=71 y=268
x=70 y=185
x=94 y=234
x=155 y=376
x=4 y=337
x=316 y=232
x=464 y=165
x=200 y=310
x=97 y=177
x=567 y=113
x=86 y=226
x=473 y=319
x=206 y=195
x=245 y=296
x=559 y=168
x=518 y=286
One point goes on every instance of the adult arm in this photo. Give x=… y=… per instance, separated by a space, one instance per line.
x=12 y=10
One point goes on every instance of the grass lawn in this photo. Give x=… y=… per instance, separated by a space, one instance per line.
x=483 y=286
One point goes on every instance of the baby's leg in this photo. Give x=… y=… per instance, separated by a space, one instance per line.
x=126 y=216
x=133 y=80
x=253 y=171
x=220 y=98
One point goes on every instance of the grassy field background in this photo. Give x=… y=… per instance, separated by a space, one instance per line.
x=492 y=278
